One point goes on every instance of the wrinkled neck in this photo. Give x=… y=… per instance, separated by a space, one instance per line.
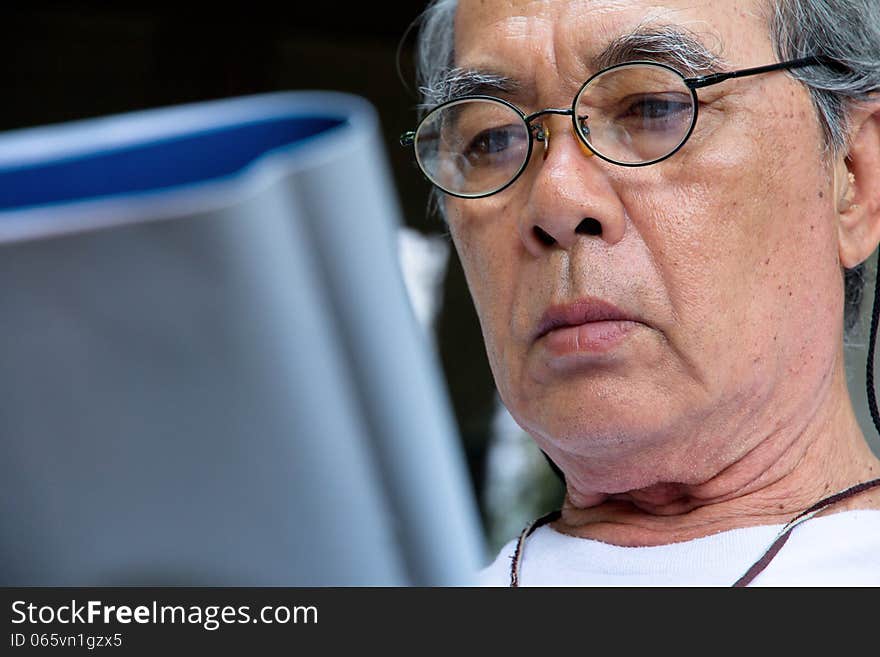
x=787 y=472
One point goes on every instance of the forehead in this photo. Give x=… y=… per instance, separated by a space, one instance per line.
x=562 y=33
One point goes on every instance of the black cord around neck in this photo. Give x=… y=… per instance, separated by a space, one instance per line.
x=872 y=340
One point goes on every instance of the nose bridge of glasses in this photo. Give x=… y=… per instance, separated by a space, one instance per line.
x=541 y=132
x=538 y=128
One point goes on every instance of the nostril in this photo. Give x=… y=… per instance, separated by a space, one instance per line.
x=589 y=226
x=545 y=238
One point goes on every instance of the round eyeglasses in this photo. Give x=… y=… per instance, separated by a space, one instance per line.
x=631 y=114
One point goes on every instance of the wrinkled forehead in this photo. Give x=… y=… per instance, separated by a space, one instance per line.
x=572 y=34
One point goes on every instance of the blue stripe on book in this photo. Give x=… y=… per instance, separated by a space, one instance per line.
x=155 y=165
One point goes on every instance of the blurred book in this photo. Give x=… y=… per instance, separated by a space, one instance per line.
x=210 y=372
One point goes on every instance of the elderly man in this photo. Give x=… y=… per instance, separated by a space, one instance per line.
x=657 y=205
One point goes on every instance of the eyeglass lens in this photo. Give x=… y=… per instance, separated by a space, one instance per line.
x=632 y=114
x=472 y=147
x=636 y=114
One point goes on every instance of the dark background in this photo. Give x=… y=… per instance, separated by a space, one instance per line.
x=62 y=61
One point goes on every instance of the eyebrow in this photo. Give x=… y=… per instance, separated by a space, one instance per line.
x=458 y=82
x=667 y=44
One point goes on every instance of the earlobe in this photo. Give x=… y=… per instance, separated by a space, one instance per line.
x=856 y=189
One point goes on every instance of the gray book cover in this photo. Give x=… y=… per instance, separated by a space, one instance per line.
x=210 y=372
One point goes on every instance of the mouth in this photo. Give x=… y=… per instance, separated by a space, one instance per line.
x=587 y=325
x=579 y=313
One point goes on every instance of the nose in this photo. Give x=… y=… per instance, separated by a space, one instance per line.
x=571 y=197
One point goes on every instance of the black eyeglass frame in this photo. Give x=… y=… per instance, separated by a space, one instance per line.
x=693 y=83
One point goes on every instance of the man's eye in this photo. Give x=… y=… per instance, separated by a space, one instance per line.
x=493 y=142
x=654 y=110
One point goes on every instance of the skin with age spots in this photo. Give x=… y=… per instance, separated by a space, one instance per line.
x=725 y=403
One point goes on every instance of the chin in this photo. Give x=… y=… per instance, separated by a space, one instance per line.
x=598 y=429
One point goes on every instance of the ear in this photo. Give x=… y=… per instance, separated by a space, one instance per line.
x=857 y=187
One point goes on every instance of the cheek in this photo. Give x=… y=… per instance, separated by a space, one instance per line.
x=487 y=246
x=746 y=247
x=477 y=236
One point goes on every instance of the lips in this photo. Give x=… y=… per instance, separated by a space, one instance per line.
x=583 y=311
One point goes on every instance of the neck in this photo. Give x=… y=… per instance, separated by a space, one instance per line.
x=785 y=473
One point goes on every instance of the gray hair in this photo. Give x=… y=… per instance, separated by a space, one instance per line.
x=844 y=32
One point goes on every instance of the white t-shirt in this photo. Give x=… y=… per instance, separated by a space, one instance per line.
x=842 y=549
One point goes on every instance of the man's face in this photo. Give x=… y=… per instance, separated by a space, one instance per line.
x=720 y=264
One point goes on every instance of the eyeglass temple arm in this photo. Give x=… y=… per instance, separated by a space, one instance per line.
x=715 y=78
x=407 y=138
